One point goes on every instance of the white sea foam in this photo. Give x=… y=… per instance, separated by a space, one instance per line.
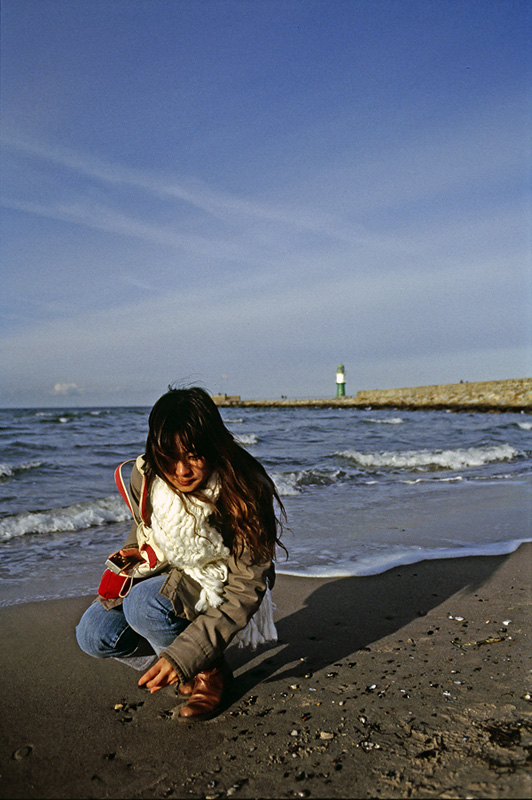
x=389 y=421
x=8 y=470
x=72 y=518
x=380 y=562
x=525 y=426
x=247 y=438
x=290 y=483
x=437 y=459
x=454 y=479
x=286 y=484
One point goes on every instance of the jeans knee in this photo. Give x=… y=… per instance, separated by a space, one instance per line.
x=88 y=639
x=143 y=607
x=102 y=633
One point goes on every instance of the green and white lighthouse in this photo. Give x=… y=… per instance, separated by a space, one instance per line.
x=340 y=381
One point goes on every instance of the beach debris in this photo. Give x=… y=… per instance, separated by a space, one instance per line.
x=506 y=621
x=22 y=752
x=527 y=696
x=490 y=640
x=251 y=700
x=367 y=746
x=294 y=733
x=124 y=706
x=326 y=735
x=236 y=786
x=363 y=719
x=294 y=686
x=371 y=688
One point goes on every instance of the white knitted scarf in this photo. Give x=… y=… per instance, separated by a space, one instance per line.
x=182 y=533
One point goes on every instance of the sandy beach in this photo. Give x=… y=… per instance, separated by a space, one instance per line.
x=413 y=683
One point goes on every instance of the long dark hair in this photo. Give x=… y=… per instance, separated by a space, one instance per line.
x=244 y=511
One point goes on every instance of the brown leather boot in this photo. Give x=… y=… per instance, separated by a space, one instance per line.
x=207 y=693
x=186 y=689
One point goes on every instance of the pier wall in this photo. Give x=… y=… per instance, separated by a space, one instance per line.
x=505 y=395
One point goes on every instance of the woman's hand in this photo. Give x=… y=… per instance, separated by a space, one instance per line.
x=131 y=553
x=160 y=675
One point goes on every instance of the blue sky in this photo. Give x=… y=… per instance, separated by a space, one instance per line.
x=244 y=194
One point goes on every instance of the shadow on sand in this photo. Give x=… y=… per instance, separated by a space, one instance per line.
x=344 y=616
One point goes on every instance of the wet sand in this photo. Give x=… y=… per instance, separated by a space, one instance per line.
x=413 y=683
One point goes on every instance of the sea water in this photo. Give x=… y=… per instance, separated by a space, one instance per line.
x=364 y=489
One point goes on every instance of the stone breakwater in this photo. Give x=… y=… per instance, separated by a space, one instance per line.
x=496 y=394
x=506 y=395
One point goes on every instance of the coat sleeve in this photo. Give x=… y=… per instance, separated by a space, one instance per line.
x=201 y=645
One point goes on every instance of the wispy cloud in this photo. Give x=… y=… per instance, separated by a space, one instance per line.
x=63 y=389
x=240 y=213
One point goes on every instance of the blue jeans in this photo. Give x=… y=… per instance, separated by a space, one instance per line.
x=142 y=626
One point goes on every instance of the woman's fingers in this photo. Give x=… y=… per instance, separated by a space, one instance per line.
x=131 y=552
x=161 y=674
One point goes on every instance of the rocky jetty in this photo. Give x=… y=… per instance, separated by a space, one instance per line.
x=505 y=395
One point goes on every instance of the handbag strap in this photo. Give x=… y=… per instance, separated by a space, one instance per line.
x=121 y=486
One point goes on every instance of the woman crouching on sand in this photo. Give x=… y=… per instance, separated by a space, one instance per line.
x=201 y=551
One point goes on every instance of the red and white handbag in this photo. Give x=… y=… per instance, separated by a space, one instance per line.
x=117 y=585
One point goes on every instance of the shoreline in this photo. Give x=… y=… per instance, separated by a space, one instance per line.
x=409 y=683
x=499 y=549
x=433 y=526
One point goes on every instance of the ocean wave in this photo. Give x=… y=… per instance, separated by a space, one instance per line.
x=454 y=479
x=71 y=518
x=56 y=417
x=8 y=470
x=247 y=438
x=525 y=426
x=389 y=421
x=432 y=459
x=290 y=483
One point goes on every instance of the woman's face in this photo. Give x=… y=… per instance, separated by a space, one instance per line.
x=187 y=471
